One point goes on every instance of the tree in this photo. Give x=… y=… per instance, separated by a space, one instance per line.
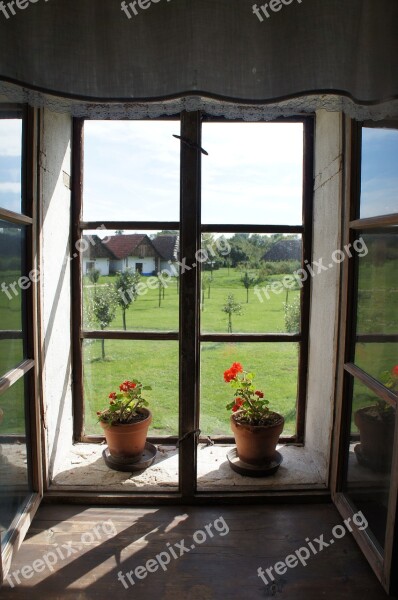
x=293 y=314
x=126 y=287
x=103 y=309
x=93 y=276
x=231 y=307
x=161 y=287
x=248 y=281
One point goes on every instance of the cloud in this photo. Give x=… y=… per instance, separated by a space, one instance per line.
x=10 y=187
x=253 y=173
x=10 y=137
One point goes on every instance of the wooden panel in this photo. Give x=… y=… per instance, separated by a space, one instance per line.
x=12 y=217
x=374 y=222
x=129 y=335
x=189 y=305
x=288 y=229
x=15 y=374
x=378 y=388
x=127 y=225
x=77 y=200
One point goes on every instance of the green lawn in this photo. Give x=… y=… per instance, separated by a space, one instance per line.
x=257 y=317
x=275 y=365
x=11 y=350
x=156 y=363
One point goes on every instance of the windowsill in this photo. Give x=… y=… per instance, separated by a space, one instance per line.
x=83 y=468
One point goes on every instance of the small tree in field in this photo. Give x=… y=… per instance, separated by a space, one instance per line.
x=248 y=281
x=161 y=288
x=126 y=288
x=103 y=310
x=94 y=276
x=231 y=307
x=292 y=315
x=206 y=285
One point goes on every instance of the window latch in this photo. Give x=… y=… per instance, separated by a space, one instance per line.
x=191 y=144
x=195 y=432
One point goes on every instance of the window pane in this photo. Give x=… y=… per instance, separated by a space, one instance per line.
x=253 y=173
x=276 y=372
x=10 y=164
x=14 y=481
x=379 y=187
x=377 y=301
x=121 y=285
x=131 y=170
x=107 y=363
x=369 y=463
x=12 y=239
x=247 y=283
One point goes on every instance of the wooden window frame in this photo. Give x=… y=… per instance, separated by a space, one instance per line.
x=27 y=369
x=190 y=241
x=347 y=371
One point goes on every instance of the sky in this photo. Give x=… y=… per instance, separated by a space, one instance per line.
x=379 y=188
x=252 y=174
x=10 y=164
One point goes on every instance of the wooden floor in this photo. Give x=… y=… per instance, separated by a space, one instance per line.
x=103 y=542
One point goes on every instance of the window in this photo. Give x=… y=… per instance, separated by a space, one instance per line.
x=17 y=282
x=371 y=371
x=235 y=222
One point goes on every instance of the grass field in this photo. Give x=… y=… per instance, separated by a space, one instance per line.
x=156 y=363
x=275 y=365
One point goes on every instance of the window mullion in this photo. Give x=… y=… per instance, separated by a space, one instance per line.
x=189 y=300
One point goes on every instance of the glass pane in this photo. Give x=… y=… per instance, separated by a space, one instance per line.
x=379 y=187
x=248 y=283
x=370 y=454
x=121 y=286
x=107 y=363
x=10 y=164
x=14 y=481
x=12 y=239
x=253 y=174
x=377 y=299
x=275 y=366
x=131 y=171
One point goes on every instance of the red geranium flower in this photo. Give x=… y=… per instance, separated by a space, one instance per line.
x=112 y=395
x=229 y=375
x=395 y=371
x=237 y=367
x=259 y=394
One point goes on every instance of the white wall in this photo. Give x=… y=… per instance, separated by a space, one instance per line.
x=325 y=287
x=102 y=264
x=148 y=264
x=55 y=282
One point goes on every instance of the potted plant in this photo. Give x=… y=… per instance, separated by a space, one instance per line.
x=256 y=428
x=376 y=425
x=126 y=420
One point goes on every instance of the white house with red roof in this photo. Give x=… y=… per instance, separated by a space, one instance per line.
x=135 y=251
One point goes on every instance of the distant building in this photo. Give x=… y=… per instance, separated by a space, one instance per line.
x=284 y=250
x=96 y=256
x=167 y=247
x=135 y=251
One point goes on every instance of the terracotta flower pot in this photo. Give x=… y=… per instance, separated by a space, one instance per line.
x=128 y=441
x=377 y=436
x=256 y=444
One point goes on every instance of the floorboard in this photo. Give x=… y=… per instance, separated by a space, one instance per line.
x=89 y=547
